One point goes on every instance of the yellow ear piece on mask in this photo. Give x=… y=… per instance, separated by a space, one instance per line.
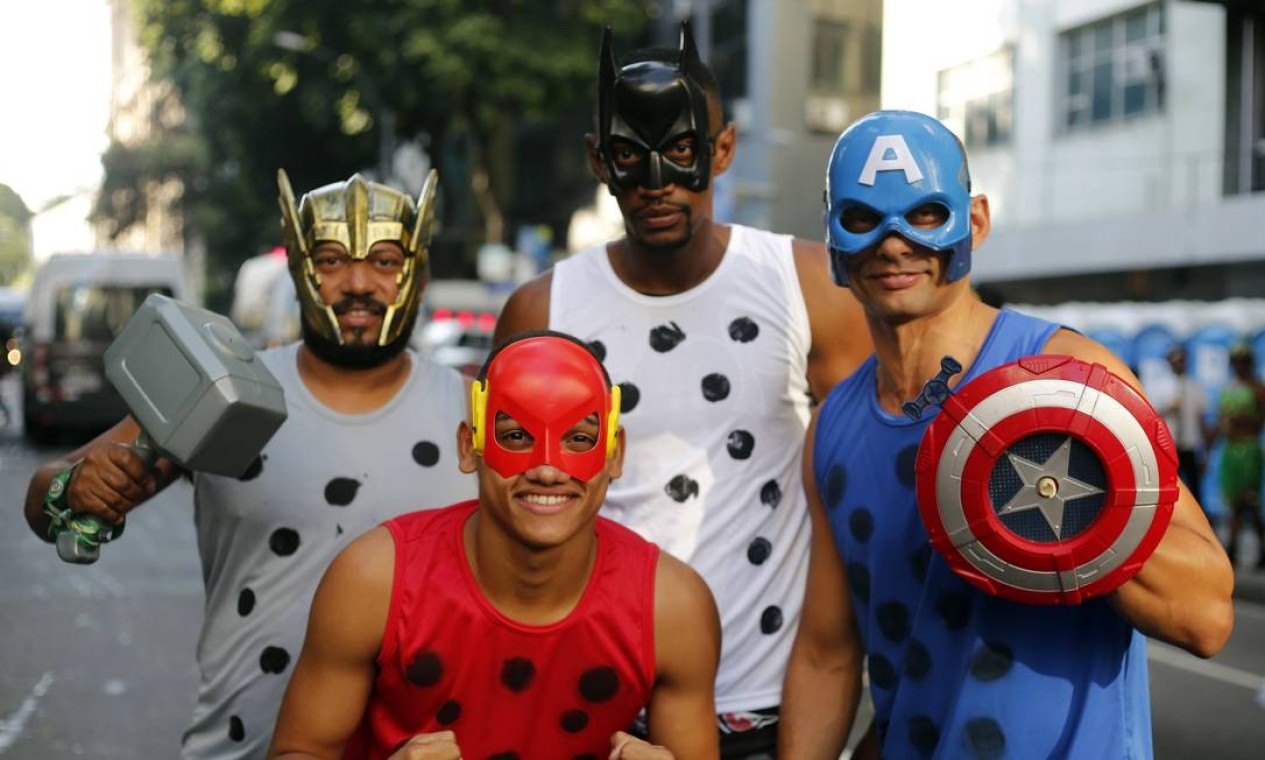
x=612 y=420
x=478 y=413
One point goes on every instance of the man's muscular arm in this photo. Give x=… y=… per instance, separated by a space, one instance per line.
x=841 y=338
x=526 y=309
x=334 y=674
x=1182 y=594
x=682 y=712
x=111 y=481
x=822 y=687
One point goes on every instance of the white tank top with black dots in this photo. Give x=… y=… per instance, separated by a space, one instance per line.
x=266 y=538
x=715 y=401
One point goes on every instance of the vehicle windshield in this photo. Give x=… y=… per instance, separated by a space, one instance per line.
x=98 y=312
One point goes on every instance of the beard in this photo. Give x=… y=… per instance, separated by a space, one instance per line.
x=657 y=244
x=357 y=356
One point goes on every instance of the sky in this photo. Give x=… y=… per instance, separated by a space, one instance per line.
x=55 y=70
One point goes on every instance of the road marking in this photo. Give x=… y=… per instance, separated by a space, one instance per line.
x=11 y=728
x=1182 y=660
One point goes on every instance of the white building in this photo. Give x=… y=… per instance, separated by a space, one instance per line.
x=1121 y=142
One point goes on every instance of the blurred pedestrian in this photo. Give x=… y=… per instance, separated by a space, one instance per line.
x=369 y=435
x=720 y=336
x=1183 y=405
x=1241 y=409
x=953 y=671
x=580 y=623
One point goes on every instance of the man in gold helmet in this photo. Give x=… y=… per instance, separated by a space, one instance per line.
x=369 y=434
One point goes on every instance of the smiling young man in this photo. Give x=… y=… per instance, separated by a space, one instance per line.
x=368 y=435
x=955 y=672
x=720 y=336
x=519 y=625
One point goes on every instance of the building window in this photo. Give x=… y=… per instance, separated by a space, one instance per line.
x=1114 y=68
x=829 y=47
x=976 y=99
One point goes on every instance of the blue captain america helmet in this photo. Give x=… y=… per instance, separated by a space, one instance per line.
x=890 y=163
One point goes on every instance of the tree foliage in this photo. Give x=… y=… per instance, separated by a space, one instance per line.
x=463 y=72
x=15 y=235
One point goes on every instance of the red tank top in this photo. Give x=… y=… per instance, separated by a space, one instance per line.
x=451 y=661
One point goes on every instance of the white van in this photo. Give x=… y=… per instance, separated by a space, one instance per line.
x=76 y=306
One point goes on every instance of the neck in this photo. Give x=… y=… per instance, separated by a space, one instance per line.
x=352 y=391
x=530 y=586
x=909 y=352
x=665 y=272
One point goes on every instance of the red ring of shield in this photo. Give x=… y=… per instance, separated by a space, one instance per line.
x=977 y=507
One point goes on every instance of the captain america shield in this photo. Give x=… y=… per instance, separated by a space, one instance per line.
x=1048 y=480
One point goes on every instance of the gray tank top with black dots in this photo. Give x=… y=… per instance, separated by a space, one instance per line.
x=715 y=401
x=266 y=538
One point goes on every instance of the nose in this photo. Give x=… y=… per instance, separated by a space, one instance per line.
x=358 y=279
x=546 y=474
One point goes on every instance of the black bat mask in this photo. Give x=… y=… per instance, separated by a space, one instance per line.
x=650 y=105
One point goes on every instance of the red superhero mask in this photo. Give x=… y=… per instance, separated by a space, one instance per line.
x=548 y=384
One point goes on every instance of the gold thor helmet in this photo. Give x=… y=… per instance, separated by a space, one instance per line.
x=357 y=214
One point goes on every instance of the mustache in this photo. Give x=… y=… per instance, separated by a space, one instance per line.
x=359 y=302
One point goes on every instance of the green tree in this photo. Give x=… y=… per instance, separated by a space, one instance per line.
x=464 y=72
x=15 y=235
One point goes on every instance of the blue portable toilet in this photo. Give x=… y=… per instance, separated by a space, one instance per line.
x=1116 y=341
x=1209 y=350
x=1150 y=354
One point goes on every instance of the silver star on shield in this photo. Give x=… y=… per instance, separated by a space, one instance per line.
x=1047 y=487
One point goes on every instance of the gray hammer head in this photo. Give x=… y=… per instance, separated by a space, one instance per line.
x=193 y=384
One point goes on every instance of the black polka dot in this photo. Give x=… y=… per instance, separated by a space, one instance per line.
x=340 y=492
x=425 y=670
x=715 y=387
x=664 y=338
x=274 y=660
x=740 y=444
x=574 y=721
x=236 y=729
x=859 y=580
x=882 y=672
x=338 y=530
x=284 y=542
x=426 y=454
x=599 y=349
x=919 y=561
x=955 y=609
x=448 y=713
x=628 y=398
x=504 y=756
x=893 y=620
x=759 y=550
x=771 y=494
x=835 y=486
x=917 y=660
x=599 y=684
x=245 y=602
x=984 y=739
x=992 y=661
x=743 y=329
x=517 y=673
x=253 y=470
x=923 y=734
x=861 y=523
x=905 y=461
x=681 y=488
x=771 y=619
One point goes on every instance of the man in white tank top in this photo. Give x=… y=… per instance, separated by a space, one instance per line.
x=370 y=433
x=719 y=336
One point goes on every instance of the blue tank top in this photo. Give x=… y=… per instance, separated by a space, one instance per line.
x=954 y=672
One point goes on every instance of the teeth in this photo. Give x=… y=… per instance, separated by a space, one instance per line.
x=548 y=500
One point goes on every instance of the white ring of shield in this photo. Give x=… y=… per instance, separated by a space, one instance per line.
x=1048 y=393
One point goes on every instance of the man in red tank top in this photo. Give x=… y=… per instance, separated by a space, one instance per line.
x=520 y=626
